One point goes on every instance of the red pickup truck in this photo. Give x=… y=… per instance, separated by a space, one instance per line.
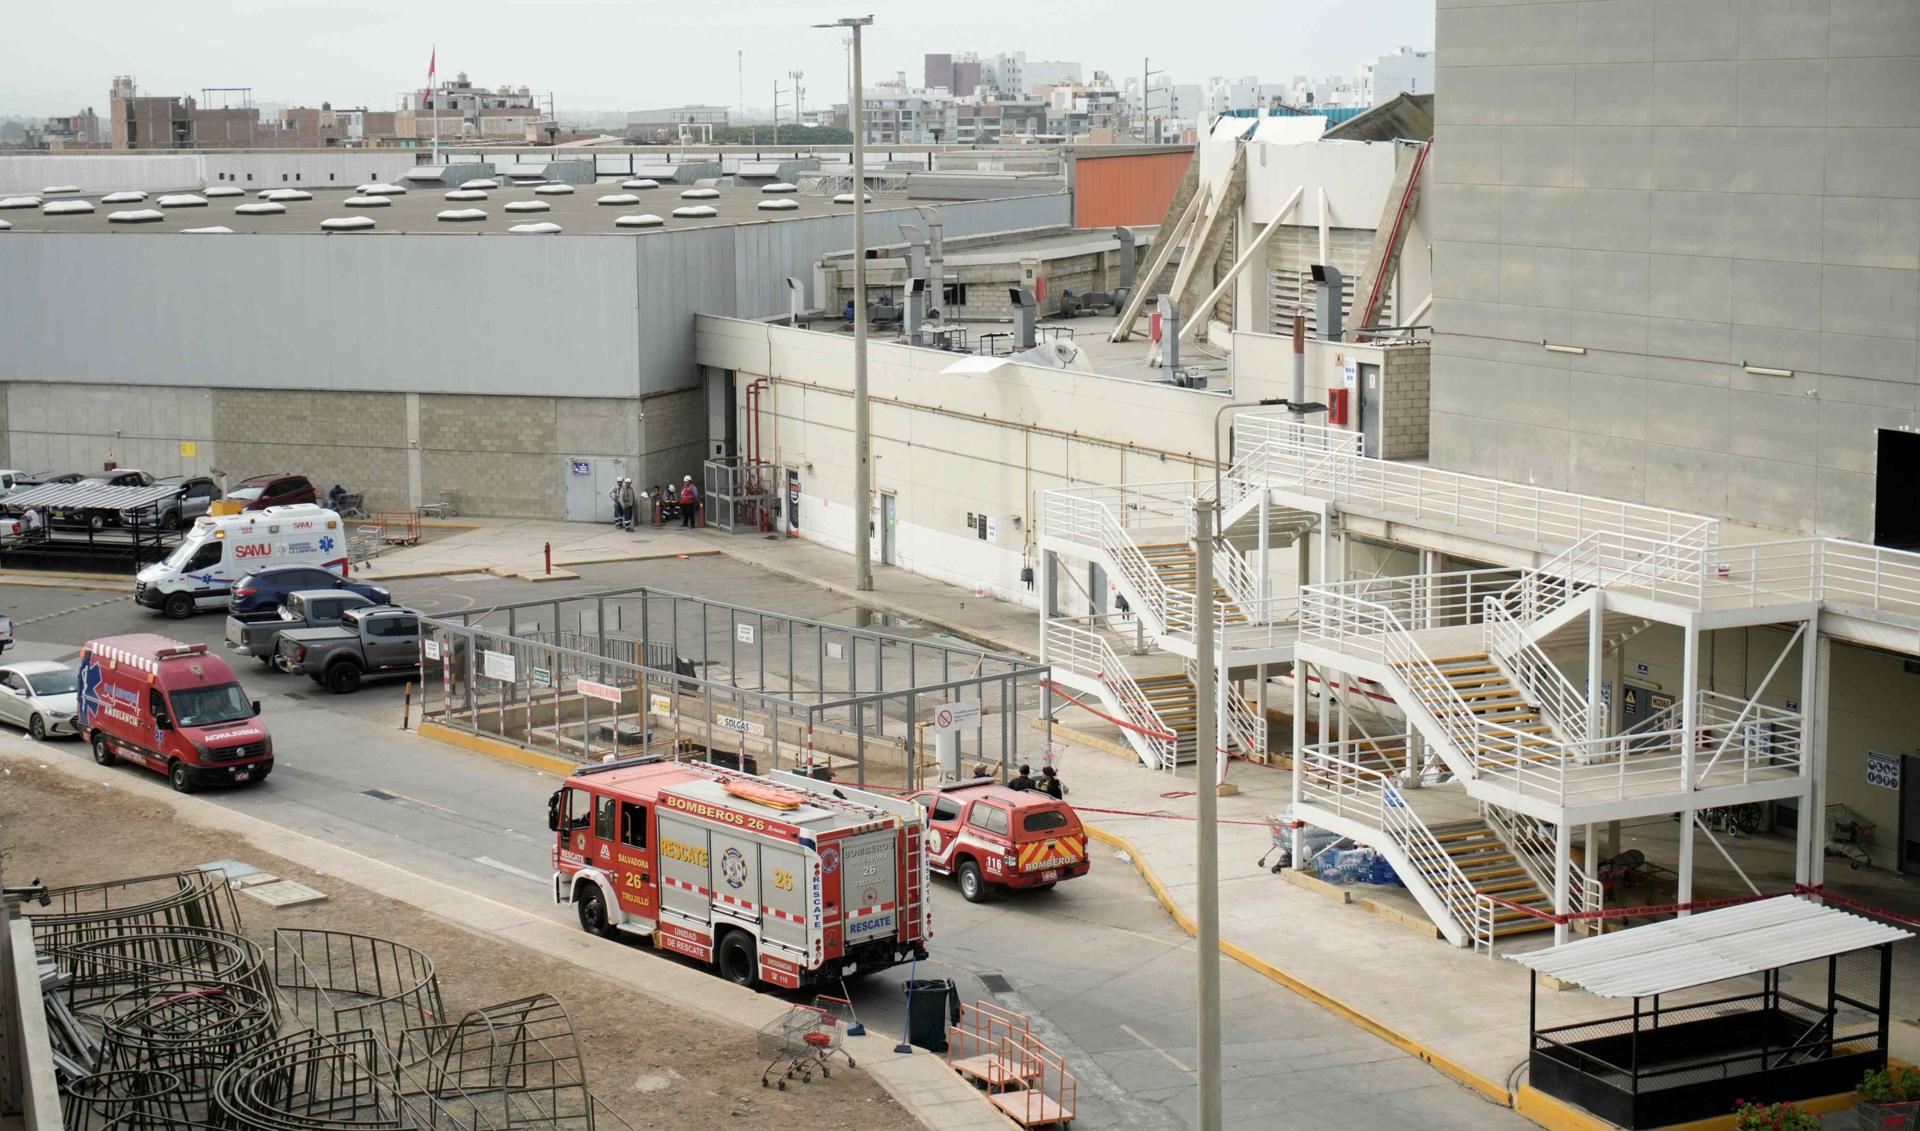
x=983 y=833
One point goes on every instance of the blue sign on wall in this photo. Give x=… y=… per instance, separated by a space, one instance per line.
x=1883 y=770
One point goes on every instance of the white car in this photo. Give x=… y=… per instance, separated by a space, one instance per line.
x=41 y=696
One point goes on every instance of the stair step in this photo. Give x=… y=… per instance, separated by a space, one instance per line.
x=1471 y=657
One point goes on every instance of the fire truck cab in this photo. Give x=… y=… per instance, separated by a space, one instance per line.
x=781 y=879
x=983 y=833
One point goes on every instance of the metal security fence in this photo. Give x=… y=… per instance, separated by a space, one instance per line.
x=639 y=670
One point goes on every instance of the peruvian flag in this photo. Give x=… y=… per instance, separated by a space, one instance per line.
x=432 y=60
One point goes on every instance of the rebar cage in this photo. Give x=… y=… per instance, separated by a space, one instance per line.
x=631 y=670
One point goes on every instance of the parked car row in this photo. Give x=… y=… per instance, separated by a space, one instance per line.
x=194 y=498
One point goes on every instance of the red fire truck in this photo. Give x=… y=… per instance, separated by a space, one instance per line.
x=984 y=833
x=781 y=879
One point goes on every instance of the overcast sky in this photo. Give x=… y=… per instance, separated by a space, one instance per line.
x=634 y=54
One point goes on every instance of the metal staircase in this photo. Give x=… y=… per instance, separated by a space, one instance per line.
x=1489 y=864
x=1084 y=661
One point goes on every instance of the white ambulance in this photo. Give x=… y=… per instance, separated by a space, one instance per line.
x=218 y=551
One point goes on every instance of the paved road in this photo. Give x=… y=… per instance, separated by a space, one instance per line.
x=1105 y=973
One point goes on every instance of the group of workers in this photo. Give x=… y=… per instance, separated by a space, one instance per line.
x=627 y=502
x=1048 y=782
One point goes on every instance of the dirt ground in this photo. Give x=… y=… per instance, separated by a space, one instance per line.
x=656 y=1066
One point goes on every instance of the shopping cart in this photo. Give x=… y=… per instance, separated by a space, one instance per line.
x=1280 y=828
x=803 y=1039
x=1847 y=835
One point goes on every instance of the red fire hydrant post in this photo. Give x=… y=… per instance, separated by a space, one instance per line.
x=549 y=557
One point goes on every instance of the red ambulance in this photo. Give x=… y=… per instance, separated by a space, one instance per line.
x=174 y=708
x=782 y=879
x=985 y=834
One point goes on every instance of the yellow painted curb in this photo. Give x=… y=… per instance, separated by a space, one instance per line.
x=494 y=748
x=653 y=557
x=1445 y=1065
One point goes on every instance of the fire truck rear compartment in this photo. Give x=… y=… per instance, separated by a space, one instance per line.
x=868 y=887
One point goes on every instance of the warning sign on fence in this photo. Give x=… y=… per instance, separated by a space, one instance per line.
x=957 y=716
x=594 y=690
x=497 y=665
x=661 y=705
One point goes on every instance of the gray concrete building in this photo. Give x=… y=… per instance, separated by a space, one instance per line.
x=1677 y=255
x=523 y=372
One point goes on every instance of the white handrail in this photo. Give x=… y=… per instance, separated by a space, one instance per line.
x=1249 y=731
x=1535 y=849
x=1086 y=652
x=1538 y=679
x=1347 y=789
x=1088 y=514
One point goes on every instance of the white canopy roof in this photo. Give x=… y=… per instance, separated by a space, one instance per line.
x=1709 y=946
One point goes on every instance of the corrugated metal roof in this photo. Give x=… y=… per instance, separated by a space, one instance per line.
x=1709 y=946
x=79 y=496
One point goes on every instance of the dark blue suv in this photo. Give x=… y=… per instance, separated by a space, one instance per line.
x=265 y=590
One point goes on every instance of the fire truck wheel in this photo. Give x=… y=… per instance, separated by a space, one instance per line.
x=179 y=778
x=973 y=889
x=737 y=961
x=593 y=913
x=103 y=750
x=179 y=606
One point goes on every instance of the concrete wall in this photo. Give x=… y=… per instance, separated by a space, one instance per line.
x=506 y=455
x=1406 y=381
x=1679 y=187
x=949 y=445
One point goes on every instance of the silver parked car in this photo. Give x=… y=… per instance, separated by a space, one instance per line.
x=41 y=696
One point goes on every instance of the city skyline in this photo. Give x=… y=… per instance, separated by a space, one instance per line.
x=369 y=55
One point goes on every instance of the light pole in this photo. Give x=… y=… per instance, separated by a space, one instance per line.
x=1206 y=525
x=862 y=417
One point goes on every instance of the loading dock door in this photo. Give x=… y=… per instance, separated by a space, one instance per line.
x=1909 y=861
x=588 y=483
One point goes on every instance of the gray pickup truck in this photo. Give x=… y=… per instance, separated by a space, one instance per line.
x=368 y=642
x=258 y=634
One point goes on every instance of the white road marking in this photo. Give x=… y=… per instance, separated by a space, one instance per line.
x=1128 y=1030
x=526 y=875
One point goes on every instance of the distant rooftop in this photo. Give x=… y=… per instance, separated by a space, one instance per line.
x=417 y=211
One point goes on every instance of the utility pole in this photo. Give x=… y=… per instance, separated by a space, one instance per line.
x=741 y=59
x=1206 y=794
x=1146 y=97
x=776 y=111
x=862 y=408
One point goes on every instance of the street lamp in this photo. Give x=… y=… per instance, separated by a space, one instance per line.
x=1206 y=525
x=862 y=418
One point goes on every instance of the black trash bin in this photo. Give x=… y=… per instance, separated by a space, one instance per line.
x=932 y=1005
